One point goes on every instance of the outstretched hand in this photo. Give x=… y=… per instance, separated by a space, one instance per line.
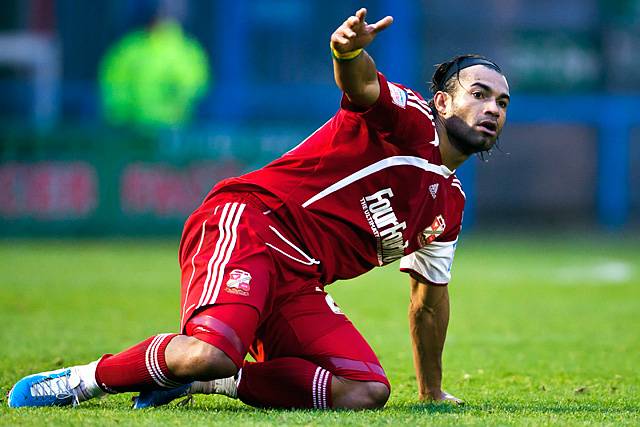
x=443 y=396
x=355 y=33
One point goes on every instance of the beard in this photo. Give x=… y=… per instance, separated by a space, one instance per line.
x=465 y=138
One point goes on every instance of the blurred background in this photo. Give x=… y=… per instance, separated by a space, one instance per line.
x=117 y=117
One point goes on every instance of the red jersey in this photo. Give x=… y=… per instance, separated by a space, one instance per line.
x=368 y=188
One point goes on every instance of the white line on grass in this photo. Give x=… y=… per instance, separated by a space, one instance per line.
x=602 y=273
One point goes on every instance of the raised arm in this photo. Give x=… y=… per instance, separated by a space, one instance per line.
x=428 y=321
x=354 y=70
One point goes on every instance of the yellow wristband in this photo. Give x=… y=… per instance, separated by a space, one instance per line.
x=347 y=56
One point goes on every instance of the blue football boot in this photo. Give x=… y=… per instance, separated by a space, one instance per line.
x=61 y=387
x=150 y=399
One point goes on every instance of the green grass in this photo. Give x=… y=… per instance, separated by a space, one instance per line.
x=542 y=332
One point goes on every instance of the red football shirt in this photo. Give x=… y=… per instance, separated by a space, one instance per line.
x=368 y=188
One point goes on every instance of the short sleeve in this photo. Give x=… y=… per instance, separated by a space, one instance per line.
x=400 y=115
x=384 y=113
x=432 y=262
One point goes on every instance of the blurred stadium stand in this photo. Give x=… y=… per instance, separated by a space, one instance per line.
x=568 y=159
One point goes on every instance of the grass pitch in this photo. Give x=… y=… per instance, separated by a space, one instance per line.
x=542 y=332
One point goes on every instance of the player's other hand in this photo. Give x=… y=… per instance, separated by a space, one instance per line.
x=355 y=33
x=442 y=396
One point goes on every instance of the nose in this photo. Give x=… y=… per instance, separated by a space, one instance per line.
x=491 y=108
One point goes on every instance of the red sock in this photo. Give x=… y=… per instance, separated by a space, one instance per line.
x=139 y=368
x=286 y=382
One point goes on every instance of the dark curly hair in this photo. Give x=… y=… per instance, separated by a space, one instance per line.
x=443 y=77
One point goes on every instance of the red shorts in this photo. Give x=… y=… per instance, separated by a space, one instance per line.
x=235 y=251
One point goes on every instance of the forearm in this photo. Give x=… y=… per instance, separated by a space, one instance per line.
x=354 y=70
x=358 y=79
x=428 y=322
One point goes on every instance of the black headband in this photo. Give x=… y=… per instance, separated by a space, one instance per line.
x=466 y=62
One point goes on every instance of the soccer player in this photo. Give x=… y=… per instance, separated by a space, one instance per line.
x=374 y=184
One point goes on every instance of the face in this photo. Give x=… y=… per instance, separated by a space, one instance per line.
x=477 y=110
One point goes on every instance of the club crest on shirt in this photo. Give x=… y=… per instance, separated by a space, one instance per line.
x=398 y=95
x=239 y=282
x=432 y=232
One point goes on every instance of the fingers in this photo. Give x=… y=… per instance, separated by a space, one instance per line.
x=354 y=23
x=339 y=38
x=361 y=14
x=343 y=35
x=357 y=20
x=451 y=398
x=348 y=29
x=356 y=33
x=382 y=24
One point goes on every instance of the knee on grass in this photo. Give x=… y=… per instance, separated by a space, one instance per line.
x=350 y=394
x=191 y=359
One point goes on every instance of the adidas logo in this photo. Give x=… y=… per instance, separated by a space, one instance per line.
x=433 y=189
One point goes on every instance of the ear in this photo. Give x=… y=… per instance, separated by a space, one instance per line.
x=442 y=102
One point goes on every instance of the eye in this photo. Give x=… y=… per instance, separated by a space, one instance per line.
x=503 y=104
x=477 y=94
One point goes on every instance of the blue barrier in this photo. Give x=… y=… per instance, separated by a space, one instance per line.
x=613 y=115
x=236 y=101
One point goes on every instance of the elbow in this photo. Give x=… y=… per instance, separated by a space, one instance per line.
x=361 y=92
x=361 y=96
